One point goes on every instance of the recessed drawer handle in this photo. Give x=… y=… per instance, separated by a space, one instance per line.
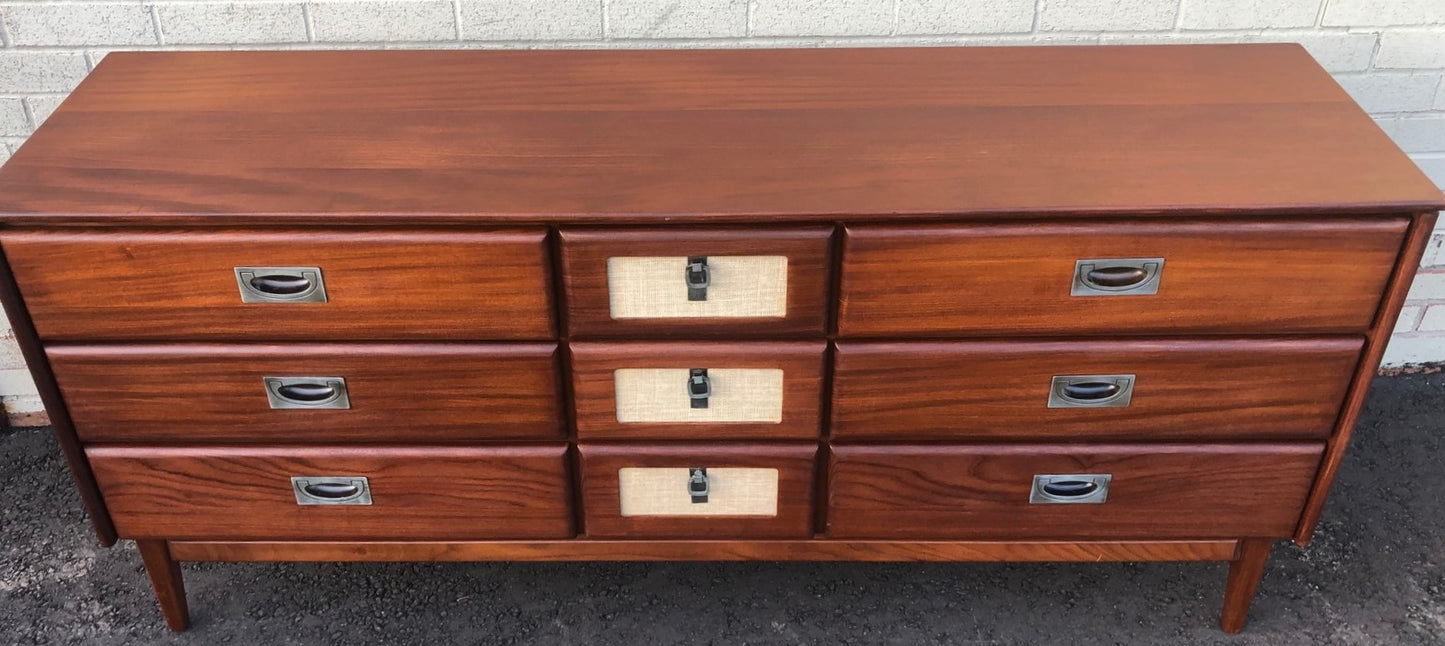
x=307 y=392
x=331 y=490
x=1089 y=390
x=1063 y=489
x=699 y=387
x=281 y=284
x=1117 y=276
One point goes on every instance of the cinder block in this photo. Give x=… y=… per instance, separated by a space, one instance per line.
x=1409 y=316
x=42 y=106
x=1394 y=91
x=822 y=17
x=79 y=23
x=677 y=18
x=1107 y=15
x=1428 y=286
x=1248 y=14
x=17 y=381
x=377 y=21
x=531 y=19
x=4 y=157
x=1434 y=168
x=1433 y=320
x=41 y=71
x=1411 y=49
x=953 y=17
x=1434 y=256
x=1335 y=51
x=232 y=23
x=1415 y=348
x=1417 y=134
x=12 y=117
x=1361 y=13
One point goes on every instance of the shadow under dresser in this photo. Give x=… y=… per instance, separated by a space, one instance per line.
x=952 y=304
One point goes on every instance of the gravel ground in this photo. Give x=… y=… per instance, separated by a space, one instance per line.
x=1374 y=575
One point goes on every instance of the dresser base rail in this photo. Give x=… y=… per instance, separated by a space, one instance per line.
x=1246 y=557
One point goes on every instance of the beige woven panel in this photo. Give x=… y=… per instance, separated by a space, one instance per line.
x=741 y=287
x=660 y=395
x=734 y=491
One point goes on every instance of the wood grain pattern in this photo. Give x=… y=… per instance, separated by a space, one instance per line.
x=1219 y=277
x=31 y=349
x=174 y=285
x=1245 y=573
x=1193 y=389
x=594 y=387
x=709 y=550
x=198 y=137
x=584 y=260
x=418 y=492
x=982 y=492
x=1381 y=329
x=601 y=502
x=190 y=393
x=165 y=576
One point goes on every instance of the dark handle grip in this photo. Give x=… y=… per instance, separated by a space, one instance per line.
x=1091 y=390
x=331 y=490
x=280 y=285
x=1117 y=276
x=307 y=392
x=1070 y=488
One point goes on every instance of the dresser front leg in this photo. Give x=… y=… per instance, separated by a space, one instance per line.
x=1245 y=571
x=165 y=575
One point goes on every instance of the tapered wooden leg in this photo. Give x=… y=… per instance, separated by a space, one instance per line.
x=165 y=575
x=1245 y=571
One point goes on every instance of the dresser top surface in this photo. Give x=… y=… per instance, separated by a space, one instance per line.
x=707 y=136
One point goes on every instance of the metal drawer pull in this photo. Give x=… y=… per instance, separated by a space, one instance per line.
x=1117 y=277
x=307 y=392
x=331 y=490
x=1066 y=489
x=698 y=277
x=697 y=485
x=1091 y=391
x=281 y=284
x=699 y=387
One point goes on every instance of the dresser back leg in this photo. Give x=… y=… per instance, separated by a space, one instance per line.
x=165 y=575
x=1245 y=571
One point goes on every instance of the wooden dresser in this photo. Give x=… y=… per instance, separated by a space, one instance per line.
x=1076 y=303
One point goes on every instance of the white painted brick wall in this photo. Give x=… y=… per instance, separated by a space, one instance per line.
x=1389 y=54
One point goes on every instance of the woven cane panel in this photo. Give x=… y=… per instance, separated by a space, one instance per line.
x=741 y=287
x=660 y=395
x=734 y=491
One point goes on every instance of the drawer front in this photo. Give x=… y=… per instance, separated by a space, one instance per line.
x=1069 y=390
x=706 y=282
x=309 y=393
x=1117 y=278
x=697 y=390
x=1069 y=491
x=651 y=491
x=198 y=285
x=423 y=493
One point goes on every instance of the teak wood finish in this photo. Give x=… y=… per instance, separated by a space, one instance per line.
x=931 y=207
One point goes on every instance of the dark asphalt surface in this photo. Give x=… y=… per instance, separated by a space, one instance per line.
x=1374 y=575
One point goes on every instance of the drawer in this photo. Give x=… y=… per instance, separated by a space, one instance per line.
x=1069 y=492
x=335 y=493
x=697 y=390
x=1116 y=277
x=709 y=282
x=647 y=491
x=321 y=284
x=1137 y=390
x=309 y=393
